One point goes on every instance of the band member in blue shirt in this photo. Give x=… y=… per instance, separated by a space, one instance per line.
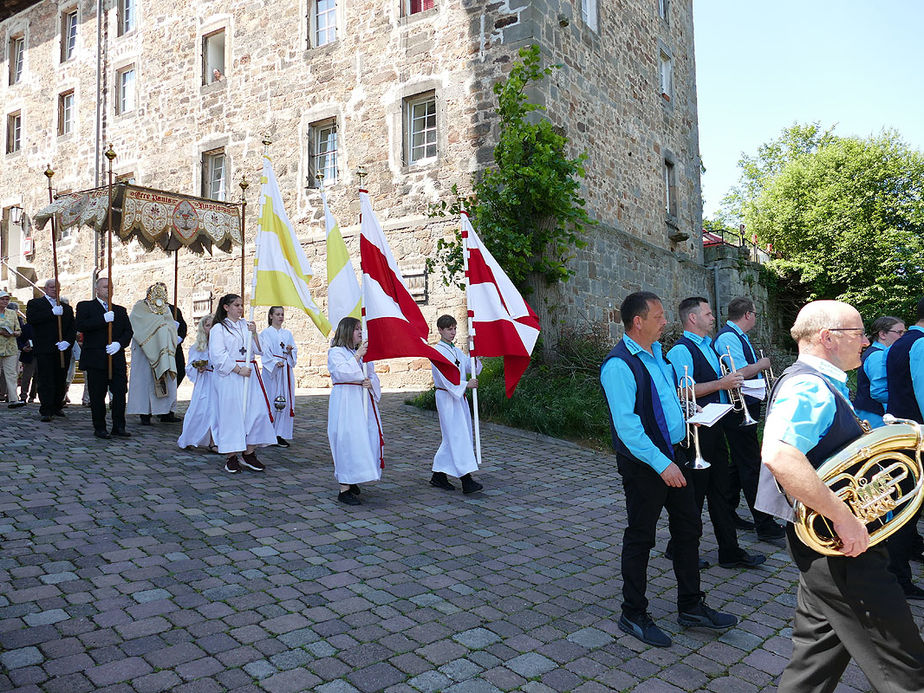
x=849 y=606
x=872 y=382
x=647 y=428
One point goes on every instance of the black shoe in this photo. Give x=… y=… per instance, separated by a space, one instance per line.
x=170 y=418
x=469 y=485
x=60 y=413
x=912 y=591
x=348 y=498
x=702 y=562
x=439 y=480
x=355 y=490
x=282 y=442
x=252 y=463
x=145 y=419
x=102 y=434
x=121 y=433
x=16 y=405
x=233 y=465
x=741 y=523
x=745 y=560
x=770 y=531
x=705 y=617
x=46 y=418
x=644 y=629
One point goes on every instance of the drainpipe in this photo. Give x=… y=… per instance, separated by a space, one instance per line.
x=99 y=127
x=715 y=287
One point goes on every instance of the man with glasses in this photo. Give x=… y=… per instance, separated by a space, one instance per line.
x=847 y=605
x=743 y=444
x=872 y=383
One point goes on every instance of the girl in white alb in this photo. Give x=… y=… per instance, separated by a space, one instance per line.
x=234 y=434
x=353 y=429
x=200 y=416
x=279 y=357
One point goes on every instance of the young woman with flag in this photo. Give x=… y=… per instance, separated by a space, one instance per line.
x=200 y=416
x=279 y=357
x=353 y=429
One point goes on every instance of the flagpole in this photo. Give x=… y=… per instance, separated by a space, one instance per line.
x=471 y=348
x=253 y=291
x=361 y=173
x=54 y=258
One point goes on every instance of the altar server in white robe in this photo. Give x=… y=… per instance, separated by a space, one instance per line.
x=152 y=377
x=200 y=416
x=279 y=358
x=456 y=454
x=235 y=435
x=354 y=432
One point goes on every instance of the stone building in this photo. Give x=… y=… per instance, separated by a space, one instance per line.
x=186 y=91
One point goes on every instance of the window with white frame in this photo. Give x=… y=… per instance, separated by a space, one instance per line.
x=125 y=83
x=126 y=16
x=323 y=160
x=17 y=54
x=415 y=6
x=13 y=132
x=589 y=13
x=323 y=22
x=667 y=77
x=213 y=174
x=663 y=7
x=420 y=127
x=213 y=57
x=66 y=112
x=68 y=34
x=670 y=189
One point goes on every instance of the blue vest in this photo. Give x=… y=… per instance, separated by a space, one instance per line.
x=863 y=400
x=745 y=347
x=844 y=429
x=902 y=402
x=703 y=372
x=647 y=402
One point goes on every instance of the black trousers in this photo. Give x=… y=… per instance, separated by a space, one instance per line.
x=98 y=382
x=744 y=470
x=712 y=484
x=51 y=381
x=901 y=547
x=851 y=607
x=646 y=496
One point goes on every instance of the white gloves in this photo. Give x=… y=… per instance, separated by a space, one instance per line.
x=113 y=349
x=179 y=340
x=57 y=310
x=108 y=316
x=62 y=346
x=176 y=325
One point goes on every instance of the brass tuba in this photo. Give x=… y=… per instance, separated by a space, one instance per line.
x=880 y=476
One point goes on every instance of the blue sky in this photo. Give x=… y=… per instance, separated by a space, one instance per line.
x=763 y=65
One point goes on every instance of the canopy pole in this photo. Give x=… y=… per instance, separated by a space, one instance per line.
x=54 y=258
x=110 y=155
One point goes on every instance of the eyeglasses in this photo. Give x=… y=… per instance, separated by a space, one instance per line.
x=898 y=332
x=846 y=329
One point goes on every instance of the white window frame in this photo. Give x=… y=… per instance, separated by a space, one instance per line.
x=326 y=14
x=127 y=97
x=209 y=56
x=127 y=16
x=65 y=113
x=324 y=161
x=590 y=13
x=412 y=118
x=214 y=174
x=670 y=189
x=68 y=34
x=407 y=7
x=663 y=8
x=17 y=56
x=13 y=132
x=666 y=74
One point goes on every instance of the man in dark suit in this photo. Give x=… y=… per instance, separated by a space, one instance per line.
x=93 y=319
x=48 y=345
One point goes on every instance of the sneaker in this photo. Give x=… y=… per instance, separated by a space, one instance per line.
x=282 y=442
x=355 y=490
x=439 y=480
x=16 y=405
x=912 y=591
x=745 y=560
x=644 y=629
x=702 y=616
x=252 y=463
x=469 y=485
x=233 y=465
x=348 y=498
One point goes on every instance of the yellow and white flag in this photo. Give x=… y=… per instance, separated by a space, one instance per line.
x=281 y=269
x=343 y=296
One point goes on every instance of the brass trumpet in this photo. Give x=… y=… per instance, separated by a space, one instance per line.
x=771 y=378
x=689 y=406
x=735 y=395
x=877 y=478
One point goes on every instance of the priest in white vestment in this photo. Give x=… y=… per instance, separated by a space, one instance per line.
x=279 y=358
x=152 y=379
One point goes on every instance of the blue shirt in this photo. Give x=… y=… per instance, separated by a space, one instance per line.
x=726 y=342
x=680 y=356
x=875 y=368
x=804 y=408
x=620 y=388
x=916 y=363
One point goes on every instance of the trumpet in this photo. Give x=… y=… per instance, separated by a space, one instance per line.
x=771 y=378
x=689 y=406
x=735 y=395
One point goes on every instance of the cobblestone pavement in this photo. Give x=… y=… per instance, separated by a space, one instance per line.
x=134 y=566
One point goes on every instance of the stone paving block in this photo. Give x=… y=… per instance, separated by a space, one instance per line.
x=69 y=665
x=23 y=657
x=530 y=665
x=71 y=683
x=336 y=687
x=590 y=638
x=291 y=681
x=260 y=669
x=46 y=617
x=375 y=678
x=476 y=638
x=118 y=671
x=430 y=681
x=170 y=657
x=474 y=686
x=156 y=682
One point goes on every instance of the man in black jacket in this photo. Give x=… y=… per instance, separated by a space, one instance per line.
x=48 y=345
x=93 y=319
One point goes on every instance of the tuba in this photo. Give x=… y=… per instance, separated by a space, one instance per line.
x=880 y=476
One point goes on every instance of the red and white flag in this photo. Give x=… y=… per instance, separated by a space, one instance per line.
x=503 y=324
x=396 y=327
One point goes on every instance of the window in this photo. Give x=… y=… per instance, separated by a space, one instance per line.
x=66 y=112
x=589 y=13
x=670 y=189
x=415 y=6
x=68 y=34
x=125 y=83
x=213 y=174
x=16 y=55
x=324 y=22
x=213 y=57
x=13 y=132
x=666 y=76
x=663 y=6
x=420 y=128
x=126 y=16
x=324 y=152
